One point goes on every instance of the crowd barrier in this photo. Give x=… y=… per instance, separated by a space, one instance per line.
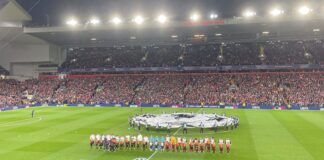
x=191 y=69
x=265 y=107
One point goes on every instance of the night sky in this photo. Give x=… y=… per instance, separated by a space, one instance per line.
x=59 y=10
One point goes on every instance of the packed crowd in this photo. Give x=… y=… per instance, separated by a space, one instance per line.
x=168 y=143
x=304 y=89
x=292 y=52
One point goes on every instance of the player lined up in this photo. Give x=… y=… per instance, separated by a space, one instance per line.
x=168 y=143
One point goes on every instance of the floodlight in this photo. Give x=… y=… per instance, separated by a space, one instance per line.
x=304 y=10
x=116 y=20
x=218 y=34
x=162 y=19
x=195 y=17
x=316 y=30
x=94 y=21
x=265 y=32
x=276 y=12
x=213 y=16
x=249 y=13
x=138 y=20
x=72 y=22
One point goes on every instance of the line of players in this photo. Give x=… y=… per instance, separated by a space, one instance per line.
x=168 y=143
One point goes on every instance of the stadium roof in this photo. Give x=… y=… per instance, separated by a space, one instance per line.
x=55 y=11
x=154 y=34
x=11 y=11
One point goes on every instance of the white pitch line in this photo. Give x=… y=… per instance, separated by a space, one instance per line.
x=152 y=155
x=16 y=121
x=176 y=132
x=17 y=124
x=173 y=134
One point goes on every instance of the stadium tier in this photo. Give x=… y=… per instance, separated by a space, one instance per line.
x=301 y=89
x=268 y=53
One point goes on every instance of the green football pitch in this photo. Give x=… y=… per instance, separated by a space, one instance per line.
x=63 y=134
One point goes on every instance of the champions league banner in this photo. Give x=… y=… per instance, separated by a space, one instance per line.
x=189 y=120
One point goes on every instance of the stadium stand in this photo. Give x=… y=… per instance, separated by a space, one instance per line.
x=302 y=89
x=274 y=53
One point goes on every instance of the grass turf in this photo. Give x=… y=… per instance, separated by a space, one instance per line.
x=63 y=133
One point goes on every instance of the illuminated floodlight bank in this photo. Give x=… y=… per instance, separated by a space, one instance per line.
x=276 y=12
x=94 y=21
x=213 y=16
x=162 y=19
x=116 y=20
x=138 y=20
x=304 y=10
x=195 y=17
x=249 y=13
x=72 y=22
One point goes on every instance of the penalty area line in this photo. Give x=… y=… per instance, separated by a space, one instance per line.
x=11 y=124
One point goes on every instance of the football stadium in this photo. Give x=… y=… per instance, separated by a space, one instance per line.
x=161 y=80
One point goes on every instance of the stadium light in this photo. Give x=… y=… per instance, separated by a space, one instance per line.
x=218 y=34
x=304 y=10
x=138 y=20
x=94 y=21
x=265 y=32
x=213 y=16
x=93 y=39
x=72 y=22
x=276 y=12
x=316 y=30
x=194 y=17
x=162 y=19
x=249 y=13
x=116 y=20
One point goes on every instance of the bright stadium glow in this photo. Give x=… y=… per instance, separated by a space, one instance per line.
x=199 y=35
x=94 y=21
x=116 y=20
x=316 y=30
x=195 y=17
x=304 y=10
x=276 y=12
x=93 y=39
x=138 y=20
x=265 y=32
x=72 y=22
x=249 y=13
x=162 y=19
x=174 y=36
x=218 y=34
x=213 y=16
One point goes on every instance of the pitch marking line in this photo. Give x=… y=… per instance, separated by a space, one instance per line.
x=21 y=122
x=175 y=133
x=152 y=155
